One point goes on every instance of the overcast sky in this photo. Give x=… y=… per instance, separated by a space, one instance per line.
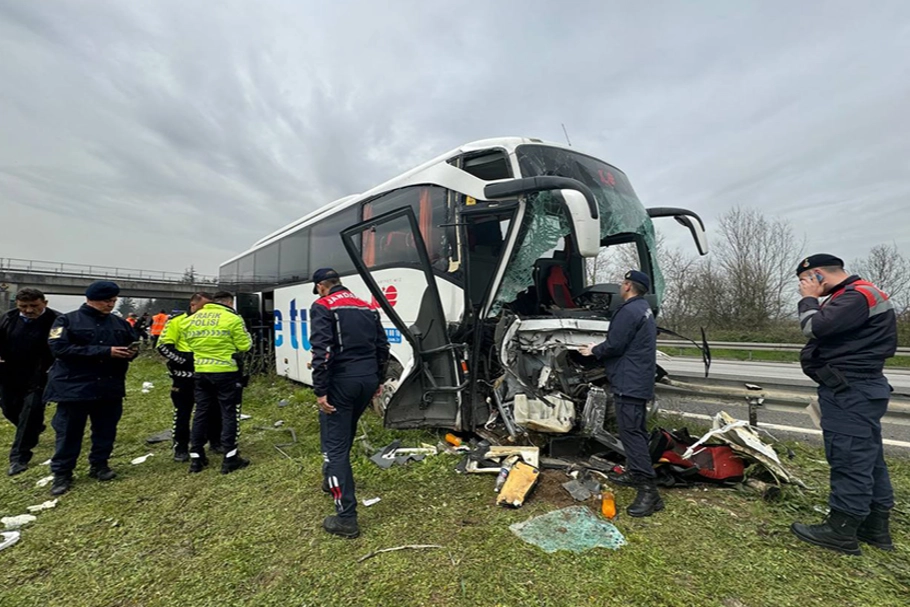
x=161 y=134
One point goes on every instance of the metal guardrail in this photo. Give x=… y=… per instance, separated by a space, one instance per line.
x=93 y=271
x=748 y=346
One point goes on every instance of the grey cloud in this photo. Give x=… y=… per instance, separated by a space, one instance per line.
x=142 y=121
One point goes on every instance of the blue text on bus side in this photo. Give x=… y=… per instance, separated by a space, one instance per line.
x=299 y=337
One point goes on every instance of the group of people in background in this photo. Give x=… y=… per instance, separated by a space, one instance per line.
x=79 y=361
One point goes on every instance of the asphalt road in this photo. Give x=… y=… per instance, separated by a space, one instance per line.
x=787 y=421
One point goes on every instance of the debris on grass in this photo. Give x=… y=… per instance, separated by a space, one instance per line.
x=44 y=482
x=164 y=436
x=522 y=478
x=397 y=548
x=141 y=459
x=8 y=538
x=394 y=453
x=14 y=522
x=43 y=506
x=575 y=529
x=371 y=501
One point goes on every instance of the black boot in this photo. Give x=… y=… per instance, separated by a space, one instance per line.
x=325 y=486
x=17 y=468
x=875 y=530
x=342 y=527
x=235 y=462
x=648 y=500
x=837 y=532
x=62 y=484
x=181 y=454
x=198 y=464
x=626 y=479
x=102 y=472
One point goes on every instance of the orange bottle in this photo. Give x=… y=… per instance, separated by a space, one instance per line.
x=453 y=440
x=608 y=505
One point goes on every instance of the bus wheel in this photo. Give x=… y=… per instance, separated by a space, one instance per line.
x=387 y=388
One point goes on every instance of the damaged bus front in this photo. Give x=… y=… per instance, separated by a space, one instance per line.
x=521 y=254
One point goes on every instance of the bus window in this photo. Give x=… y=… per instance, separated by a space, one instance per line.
x=294 y=258
x=228 y=273
x=486 y=238
x=247 y=269
x=266 y=264
x=326 y=248
x=389 y=246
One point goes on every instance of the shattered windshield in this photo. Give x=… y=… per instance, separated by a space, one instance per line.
x=545 y=221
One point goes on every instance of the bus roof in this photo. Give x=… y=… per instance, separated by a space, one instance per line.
x=506 y=143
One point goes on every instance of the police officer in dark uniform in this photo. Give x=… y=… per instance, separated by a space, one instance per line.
x=350 y=352
x=93 y=349
x=24 y=361
x=850 y=335
x=630 y=356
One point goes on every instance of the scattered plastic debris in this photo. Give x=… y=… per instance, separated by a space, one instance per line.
x=279 y=423
x=141 y=459
x=8 y=538
x=283 y=402
x=371 y=501
x=46 y=463
x=394 y=453
x=577 y=490
x=244 y=416
x=14 y=522
x=147 y=385
x=43 y=506
x=162 y=437
x=44 y=482
x=522 y=478
x=575 y=529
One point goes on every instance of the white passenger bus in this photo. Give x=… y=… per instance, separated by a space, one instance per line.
x=476 y=261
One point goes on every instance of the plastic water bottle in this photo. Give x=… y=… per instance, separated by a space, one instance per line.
x=608 y=505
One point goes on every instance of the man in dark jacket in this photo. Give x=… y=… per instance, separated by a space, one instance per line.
x=630 y=356
x=851 y=334
x=24 y=361
x=350 y=351
x=93 y=349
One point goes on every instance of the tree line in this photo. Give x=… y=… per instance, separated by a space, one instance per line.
x=745 y=288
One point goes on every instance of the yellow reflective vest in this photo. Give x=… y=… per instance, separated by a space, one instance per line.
x=214 y=333
x=173 y=333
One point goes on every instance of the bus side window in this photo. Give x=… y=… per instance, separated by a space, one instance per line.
x=393 y=243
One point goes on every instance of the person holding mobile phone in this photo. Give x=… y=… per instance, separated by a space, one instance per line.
x=92 y=351
x=851 y=334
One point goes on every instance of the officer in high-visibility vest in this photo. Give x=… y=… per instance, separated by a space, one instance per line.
x=850 y=335
x=174 y=347
x=158 y=322
x=217 y=335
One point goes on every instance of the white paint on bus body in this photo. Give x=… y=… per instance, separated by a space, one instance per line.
x=404 y=288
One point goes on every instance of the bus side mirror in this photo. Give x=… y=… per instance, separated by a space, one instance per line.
x=585 y=229
x=688 y=219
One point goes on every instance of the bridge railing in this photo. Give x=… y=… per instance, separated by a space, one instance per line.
x=94 y=271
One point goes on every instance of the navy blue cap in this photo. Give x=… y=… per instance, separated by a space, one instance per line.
x=322 y=274
x=101 y=290
x=819 y=260
x=639 y=277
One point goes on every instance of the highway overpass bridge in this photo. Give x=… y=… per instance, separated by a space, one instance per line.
x=56 y=278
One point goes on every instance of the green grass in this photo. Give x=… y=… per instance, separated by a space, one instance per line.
x=766 y=356
x=158 y=536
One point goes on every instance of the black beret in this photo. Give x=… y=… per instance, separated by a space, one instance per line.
x=819 y=260
x=101 y=290
x=639 y=277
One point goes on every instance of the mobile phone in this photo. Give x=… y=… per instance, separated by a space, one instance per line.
x=819 y=277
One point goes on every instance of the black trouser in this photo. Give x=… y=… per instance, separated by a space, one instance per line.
x=69 y=424
x=24 y=407
x=350 y=396
x=851 y=427
x=631 y=416
x=217 y=394
x=184 y=397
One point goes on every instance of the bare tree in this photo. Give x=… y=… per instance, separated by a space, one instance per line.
x=756 y=256
x=887 y=269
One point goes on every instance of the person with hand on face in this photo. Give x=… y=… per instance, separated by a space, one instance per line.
x=630 y=356
x=851 y=334
x=24 y=360
x=350 y=352
x=92 y=349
